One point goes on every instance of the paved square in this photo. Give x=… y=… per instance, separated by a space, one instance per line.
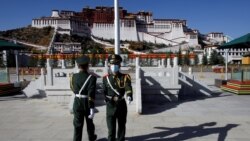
x=223 y=118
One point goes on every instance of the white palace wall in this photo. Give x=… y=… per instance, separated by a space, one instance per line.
x=151 y=38
x=64 y=26
x=170 y=35
x=106 y=31
x=160 y=32
x=177 y=33
x=192 y=41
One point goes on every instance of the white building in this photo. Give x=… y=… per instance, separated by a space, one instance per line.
x=59 y=47
x=65 y=23
x=208 y=50
x=216 y=38
x=106 y=30
x=235 y=55
x=134 y=27
x=144 y=28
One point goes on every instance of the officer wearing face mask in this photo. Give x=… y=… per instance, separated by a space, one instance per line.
x=117 y=89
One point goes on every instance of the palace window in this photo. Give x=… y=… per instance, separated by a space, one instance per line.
x=176 y=25
x=193 y=36
x=128 y=23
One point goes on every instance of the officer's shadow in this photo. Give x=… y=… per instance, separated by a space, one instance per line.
x=185 y=133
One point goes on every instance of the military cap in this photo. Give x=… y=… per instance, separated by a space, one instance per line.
x=82 y=60
x=114 y=59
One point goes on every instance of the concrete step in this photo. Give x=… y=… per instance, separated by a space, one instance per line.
x=215 y=89
x=159 y=98
x=157 y=81
x=160 y=87
x=160 y=91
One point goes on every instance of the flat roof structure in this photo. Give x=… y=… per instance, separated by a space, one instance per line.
x=6 y=45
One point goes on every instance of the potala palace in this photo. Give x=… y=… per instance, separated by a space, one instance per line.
x=140 y=26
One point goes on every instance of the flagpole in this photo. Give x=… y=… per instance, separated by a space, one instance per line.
x=117 y=27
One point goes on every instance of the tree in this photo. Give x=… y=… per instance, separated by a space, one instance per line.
x=55 y=63
x=180 y=60
x=186 y=59
x=32 y=62
x=204 y=59
x=221 y=59
x=213 y=58
x=72 y=61
x=1 y=60
x=196 y=59
x=11 y=62
x=42 y=62
x=216 y=58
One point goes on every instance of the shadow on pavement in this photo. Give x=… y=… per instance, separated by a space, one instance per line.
x=163 y=100
x=186 y=132
x=41 y=94
x=13 y=96
x=155 y=108
x=22 y=96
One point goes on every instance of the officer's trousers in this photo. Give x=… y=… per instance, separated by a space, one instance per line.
x=81 y=111
x=116 y=112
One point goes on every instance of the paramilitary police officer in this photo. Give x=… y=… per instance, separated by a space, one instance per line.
x=117 y=87
x=83 y=85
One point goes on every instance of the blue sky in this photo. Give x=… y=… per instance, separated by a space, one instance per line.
x=232 y=17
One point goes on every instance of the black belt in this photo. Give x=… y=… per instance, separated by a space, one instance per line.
x=114 y=98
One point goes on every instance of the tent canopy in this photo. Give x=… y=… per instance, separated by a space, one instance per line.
x=241 y=42
x=5 y=45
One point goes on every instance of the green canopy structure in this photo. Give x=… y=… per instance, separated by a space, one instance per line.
x=6 y=45
x=241 y=42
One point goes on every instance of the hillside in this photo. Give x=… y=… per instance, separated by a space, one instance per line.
x=31 y=35
x=44 y=35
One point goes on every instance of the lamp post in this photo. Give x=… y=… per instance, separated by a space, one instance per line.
x=117 y=26
x=226 y=77
x=17 y=68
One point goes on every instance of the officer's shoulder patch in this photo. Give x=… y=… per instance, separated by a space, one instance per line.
x=128 y=76
x=71 y=74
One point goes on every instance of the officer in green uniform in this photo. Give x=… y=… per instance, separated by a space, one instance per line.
x=83 y=85
x=117 y=87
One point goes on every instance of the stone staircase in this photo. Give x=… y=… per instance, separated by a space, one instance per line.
x=159 y=85
x=157 y=89
x=193 y=87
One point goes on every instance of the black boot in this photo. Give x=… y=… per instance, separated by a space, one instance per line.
x=93 y=138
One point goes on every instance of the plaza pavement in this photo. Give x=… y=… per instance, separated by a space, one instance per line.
x=222 y=118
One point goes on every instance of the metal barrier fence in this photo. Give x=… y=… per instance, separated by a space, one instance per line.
x=4 y=77
x=241 y=74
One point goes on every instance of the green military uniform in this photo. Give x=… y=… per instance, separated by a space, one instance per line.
x=83 y=102
x=116 y=109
